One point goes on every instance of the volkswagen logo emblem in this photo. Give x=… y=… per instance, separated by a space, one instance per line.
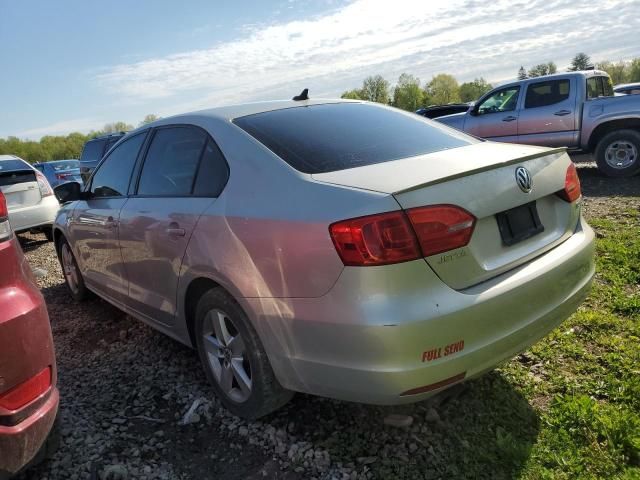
x=523 y=179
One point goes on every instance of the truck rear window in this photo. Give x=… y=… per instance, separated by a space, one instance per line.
x=329 y=137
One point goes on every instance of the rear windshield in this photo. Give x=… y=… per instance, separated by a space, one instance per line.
x=92 y=150
x=9 y=165
x=329 y=137
x=67 y=165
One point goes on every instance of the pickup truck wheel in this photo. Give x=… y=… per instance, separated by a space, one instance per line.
x=233 y=358
x=617 y=153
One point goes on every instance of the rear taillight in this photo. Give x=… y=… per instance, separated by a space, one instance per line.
x=26 y=392
x=571 y=191
x=62 y=176
x=43 y=183
x=441 y=227
x=396 y=237
x=375 y=240
x=5 y=226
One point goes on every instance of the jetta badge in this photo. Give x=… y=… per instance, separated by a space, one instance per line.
x=523 y=179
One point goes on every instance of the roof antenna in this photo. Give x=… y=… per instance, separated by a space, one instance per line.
x=303 y=96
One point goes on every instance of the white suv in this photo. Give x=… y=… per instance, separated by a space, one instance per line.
x=30 y=199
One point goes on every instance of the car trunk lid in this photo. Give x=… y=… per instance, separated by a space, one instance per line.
x=20 y=188
x=481 y=180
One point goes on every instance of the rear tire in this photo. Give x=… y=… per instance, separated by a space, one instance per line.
x=48 y=233
x=72 y=276
x=617 y=153
x=233 y=358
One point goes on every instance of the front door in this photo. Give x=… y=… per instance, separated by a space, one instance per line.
x=157 y=222
x=496 y=116
x=94 y=224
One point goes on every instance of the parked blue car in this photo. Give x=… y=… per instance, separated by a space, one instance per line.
x=60 y=171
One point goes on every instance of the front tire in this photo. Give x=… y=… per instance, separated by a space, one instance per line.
x=233 y=358
x=617 y=153
x=72 y=276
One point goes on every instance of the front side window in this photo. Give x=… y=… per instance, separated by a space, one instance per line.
x=541 y=94
x=112 y=177
x=330 y=137
x=172 y=161
x=504 y=100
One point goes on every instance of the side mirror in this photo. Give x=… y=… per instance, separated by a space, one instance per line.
x=473 y=111
x=68 y=192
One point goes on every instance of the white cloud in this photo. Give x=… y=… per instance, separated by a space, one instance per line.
x=335 y=51
x=83 y=125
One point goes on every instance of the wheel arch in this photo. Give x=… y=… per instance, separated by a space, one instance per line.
x=197 y=287
x=610 y=126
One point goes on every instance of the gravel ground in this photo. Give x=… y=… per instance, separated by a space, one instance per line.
x=126 y=390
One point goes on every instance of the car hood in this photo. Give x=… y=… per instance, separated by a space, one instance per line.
x=455 y=120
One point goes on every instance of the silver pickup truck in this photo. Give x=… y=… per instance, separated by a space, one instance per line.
x=573 y=109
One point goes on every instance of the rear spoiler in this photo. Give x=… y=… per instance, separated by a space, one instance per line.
x=544 y=153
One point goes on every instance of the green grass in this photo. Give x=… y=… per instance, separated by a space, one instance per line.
x=586 y=386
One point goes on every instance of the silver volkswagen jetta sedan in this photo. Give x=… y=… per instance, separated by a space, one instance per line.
x=338 y=248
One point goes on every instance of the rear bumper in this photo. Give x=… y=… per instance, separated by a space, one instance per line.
x=39 y=215
x=20 y=443
x=377 y=335
x=26 y=348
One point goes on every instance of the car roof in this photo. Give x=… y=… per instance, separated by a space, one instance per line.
x=54 y=162
x=231 y=112
x=542 y=78
x=106 y=137
x=627 y=85
x=9 y=157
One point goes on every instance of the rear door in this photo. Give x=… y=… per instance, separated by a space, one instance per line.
x=182 y=174
x=94 y=223
x=496 y=116
x=548 y=116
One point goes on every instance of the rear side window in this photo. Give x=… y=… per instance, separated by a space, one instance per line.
x=212 y=174
x=112 y=177
x=172 y=161
x=93 y=150
x=599 y=87
x=330 y=137
x=541 y=94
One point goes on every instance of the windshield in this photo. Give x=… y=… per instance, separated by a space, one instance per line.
x=329 y=137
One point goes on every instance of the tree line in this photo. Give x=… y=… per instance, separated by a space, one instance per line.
x=410 y=94
x=61 y=147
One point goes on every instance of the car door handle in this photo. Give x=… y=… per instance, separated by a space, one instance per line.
x=175 y=232
x=510 y=118
x=562 y=113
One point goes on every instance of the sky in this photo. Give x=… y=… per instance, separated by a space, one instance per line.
x=74 y=65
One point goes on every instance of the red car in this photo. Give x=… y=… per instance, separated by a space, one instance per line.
x=28 y=394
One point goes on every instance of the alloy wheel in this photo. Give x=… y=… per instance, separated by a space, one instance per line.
x=227 y=356
x=69 y=268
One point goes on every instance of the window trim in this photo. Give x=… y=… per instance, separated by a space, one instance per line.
x=89 y=185
x=531 y=84
x=137 y=172
x=491 y=94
